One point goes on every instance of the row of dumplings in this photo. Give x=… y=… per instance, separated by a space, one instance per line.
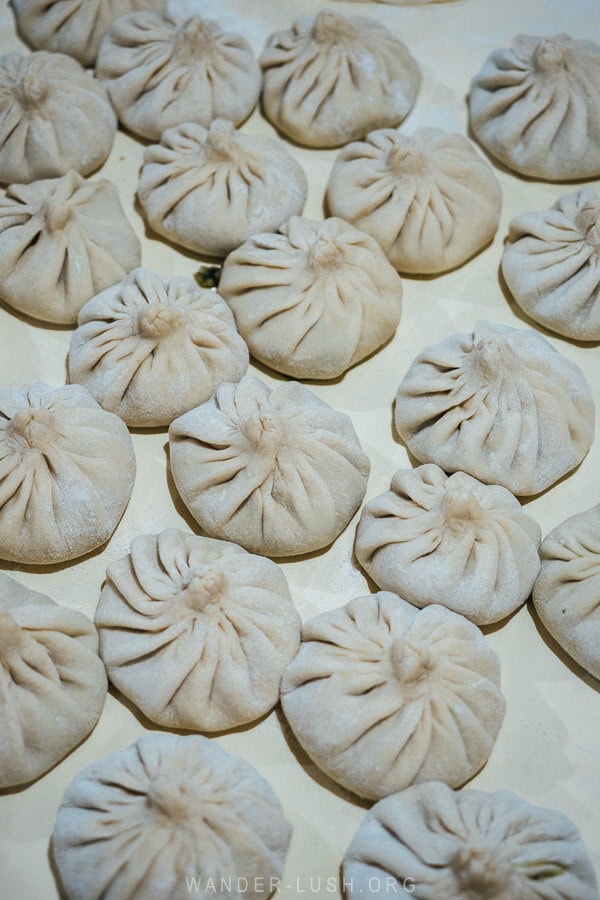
x=223 y=829
x=328 y=80
x=160 y=71
x=310 y=298
x=428 y=199
x=279 y=471
x=282 y=473
x=325 y=81
x=198 y=633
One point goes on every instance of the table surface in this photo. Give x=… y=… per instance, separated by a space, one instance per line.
x=547 y=749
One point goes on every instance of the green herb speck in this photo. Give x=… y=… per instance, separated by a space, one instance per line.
x=208 y=277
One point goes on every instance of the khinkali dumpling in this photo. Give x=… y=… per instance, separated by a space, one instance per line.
x=382 y=694
x=278 y=471
x=62 y=240
x=211 y=189
x=75 y=27
x=551 y=264
x=429 y=200
x=54 y=116
x=314 y=299
x=332 y=79
x=196 y=632
x=536 y=107
x=567 y=592
x=149 y=822
x=434 y=843
x=161 y=70
x=52 y=682
x=499 y=403
x=149 y=350
x=67 y=469
x=450 y=540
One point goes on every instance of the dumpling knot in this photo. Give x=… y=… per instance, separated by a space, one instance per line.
x=194 y=40
x=412 y=665
x=480 y=869
x=405 y=157
x=33 y=427
x=550 y=54
x=326 y=253
x=204 y=588
x=31 y=91
x=11 y=638
x=169 y=797
x=493 y=356
x=56 y=214
x=221 y=142
x=264 y=431
x=156 y=322
x=331 y=28
x=461 y=509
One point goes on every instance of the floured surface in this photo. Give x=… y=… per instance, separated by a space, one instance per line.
x=547 y=747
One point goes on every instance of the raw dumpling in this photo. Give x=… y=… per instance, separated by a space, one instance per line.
x=381 y=695
x=75 y=27
x=149 y=350
x=66 y=476
x=332 y=79
x=450 y=540
x=536 y=107
x=196 y=632
x=429 y=200
x=161 y=70
x=433 y=843
x=52 y=682
x=567 y=592
x=313 y=300
x=62 y=241
x=148 y=822
x=551 y=264
x=211 y=189
x=501 y=404
x=278 y=471
x=54 y=116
